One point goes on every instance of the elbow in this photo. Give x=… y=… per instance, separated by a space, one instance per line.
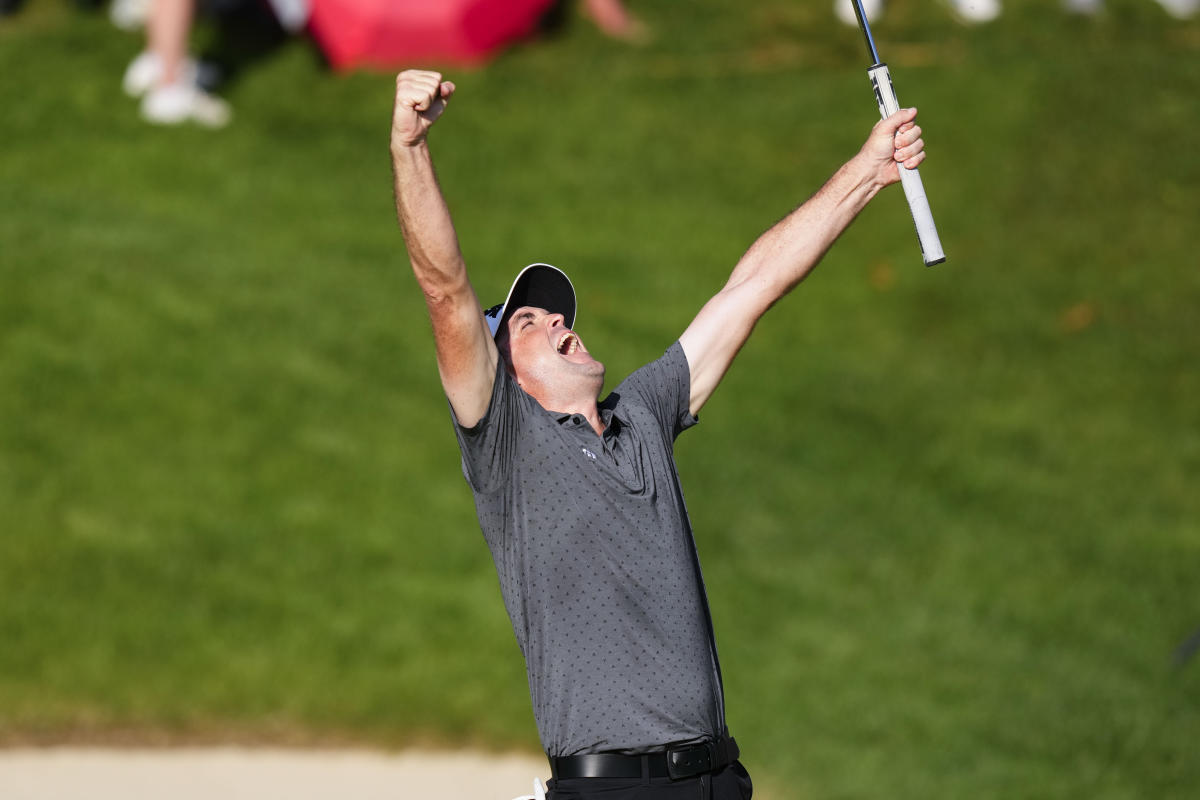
x=445 y=289
x=441 y=304
x=435 y=296
x=754 y=294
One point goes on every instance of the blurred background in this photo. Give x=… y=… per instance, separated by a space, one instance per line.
x=948 y=517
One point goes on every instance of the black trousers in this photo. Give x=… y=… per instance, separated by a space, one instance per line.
x=731 y=783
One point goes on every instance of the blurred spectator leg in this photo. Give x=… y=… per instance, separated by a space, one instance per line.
x=612 y=18
x=166 y=77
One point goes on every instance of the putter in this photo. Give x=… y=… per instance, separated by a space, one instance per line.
x=914 y=190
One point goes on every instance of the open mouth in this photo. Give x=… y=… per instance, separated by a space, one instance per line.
x=568 y=343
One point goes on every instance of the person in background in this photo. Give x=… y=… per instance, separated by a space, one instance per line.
x=972 y=11
x=976 y=11
x=614 y=20
x=166 y=77
x=1179 y=9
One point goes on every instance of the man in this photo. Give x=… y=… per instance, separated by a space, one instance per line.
x=578 y=498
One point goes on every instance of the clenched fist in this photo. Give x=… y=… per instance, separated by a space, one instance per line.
x=894 y=143
x=421 y=97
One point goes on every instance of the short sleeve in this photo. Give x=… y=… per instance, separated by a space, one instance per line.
x=487 y=446
x=664 y=386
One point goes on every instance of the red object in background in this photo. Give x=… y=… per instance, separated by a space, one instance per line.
x=393 y=34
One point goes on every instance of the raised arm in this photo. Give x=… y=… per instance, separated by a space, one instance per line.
x=466 y=354
x=785 y=254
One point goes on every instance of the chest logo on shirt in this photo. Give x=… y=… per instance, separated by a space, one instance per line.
x=588 y=453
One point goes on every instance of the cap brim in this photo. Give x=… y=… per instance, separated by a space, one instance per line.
x=539 y=286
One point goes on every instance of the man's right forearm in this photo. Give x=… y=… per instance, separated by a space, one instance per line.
x=424 y=218
x=466 y=355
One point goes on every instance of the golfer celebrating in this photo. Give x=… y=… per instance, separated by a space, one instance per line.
x=578 y=498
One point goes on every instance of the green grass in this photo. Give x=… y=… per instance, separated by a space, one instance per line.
x=948 y=516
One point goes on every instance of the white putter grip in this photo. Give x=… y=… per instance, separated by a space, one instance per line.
x=910 y=179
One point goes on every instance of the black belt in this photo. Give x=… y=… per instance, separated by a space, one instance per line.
x=675 y=762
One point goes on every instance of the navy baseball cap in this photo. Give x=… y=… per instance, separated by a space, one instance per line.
x=540 y=286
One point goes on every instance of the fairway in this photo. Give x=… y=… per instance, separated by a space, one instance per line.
x=948 y=516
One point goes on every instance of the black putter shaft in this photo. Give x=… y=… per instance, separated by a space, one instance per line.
x=866 y=29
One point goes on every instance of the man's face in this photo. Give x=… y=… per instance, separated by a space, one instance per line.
x=548 y=358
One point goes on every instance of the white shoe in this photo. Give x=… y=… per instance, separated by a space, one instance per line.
x=1084 y=7
x=976 y=11
x=143 y=73
x=185 y=102
x=845 y=10
x=1180 y=9
x=292 y=14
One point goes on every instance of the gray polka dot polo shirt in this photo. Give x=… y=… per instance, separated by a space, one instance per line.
x=596 y=562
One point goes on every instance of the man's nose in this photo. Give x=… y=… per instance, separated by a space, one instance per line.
x=557 y=319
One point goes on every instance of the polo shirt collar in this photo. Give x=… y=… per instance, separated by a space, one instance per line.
x=608 y=416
